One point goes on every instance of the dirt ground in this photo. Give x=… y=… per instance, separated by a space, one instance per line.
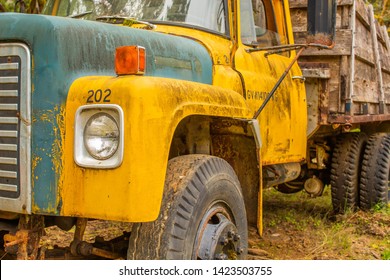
x=295 y=228
x=357 y=241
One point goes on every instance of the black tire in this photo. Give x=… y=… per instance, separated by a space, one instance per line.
x=345 y=171
x=202 y=214
x=374 y=186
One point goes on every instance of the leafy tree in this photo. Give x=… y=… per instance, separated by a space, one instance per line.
x=381 y=8
x=24 y=6
x=382 y=11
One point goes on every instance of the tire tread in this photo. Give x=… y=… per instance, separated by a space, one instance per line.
x=375 y=171
x=345 y=171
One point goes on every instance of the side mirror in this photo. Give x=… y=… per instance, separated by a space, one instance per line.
x=321 y=21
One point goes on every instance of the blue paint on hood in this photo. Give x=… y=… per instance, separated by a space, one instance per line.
x=64 y=49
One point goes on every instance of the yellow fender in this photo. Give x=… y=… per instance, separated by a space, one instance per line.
x=153 y=107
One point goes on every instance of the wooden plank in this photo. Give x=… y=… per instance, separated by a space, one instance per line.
x=303 y=3
x=345 y=17
x=365 y=83
x=355 y=71
x=299 y=18
x=362 y=12
x=350 y=92
x=312 y=86
x=379 y=33
x=378 y=67
x=384 y=50
x=294 y=4
x=319 y=73
x=384 y=54
x=335 y=103
x=364 y=60
x=343 y=44
x=386 y=86
x=386 y=37
x=333 y=63
x=364 y=42
x=345 y=76
x=358 y=119
x=345 y=2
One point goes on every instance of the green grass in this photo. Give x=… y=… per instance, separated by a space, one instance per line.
x=297 y=226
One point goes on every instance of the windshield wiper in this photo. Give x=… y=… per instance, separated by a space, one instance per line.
x=81 y=14
x=125 y=21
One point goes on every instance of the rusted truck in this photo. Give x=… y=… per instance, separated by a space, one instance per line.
x=174 y=115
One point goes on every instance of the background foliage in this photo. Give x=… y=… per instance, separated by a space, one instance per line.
x=381 y=7
x=382 y=11
x=27 y=6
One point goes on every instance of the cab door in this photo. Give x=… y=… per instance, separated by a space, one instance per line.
x=283 y=122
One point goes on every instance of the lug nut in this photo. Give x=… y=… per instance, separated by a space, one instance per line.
x=223 y=240
x=230 y=234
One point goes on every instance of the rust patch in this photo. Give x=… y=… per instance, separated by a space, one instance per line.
x=59 y=134
x=57 y=115
x=320 y=38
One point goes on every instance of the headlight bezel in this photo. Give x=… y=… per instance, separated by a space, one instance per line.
x=82 y=156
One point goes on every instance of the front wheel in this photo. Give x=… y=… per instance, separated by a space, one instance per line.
x=202 y=214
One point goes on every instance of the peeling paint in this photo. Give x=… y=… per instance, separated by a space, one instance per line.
x=152 y=113
x=55 y=66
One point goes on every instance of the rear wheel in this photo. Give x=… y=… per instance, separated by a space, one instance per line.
x=345 y=171
x=374 y=187
x=202 y=214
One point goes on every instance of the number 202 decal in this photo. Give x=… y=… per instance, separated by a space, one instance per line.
x=99 y=95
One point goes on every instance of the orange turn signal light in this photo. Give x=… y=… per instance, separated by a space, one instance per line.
x=130 y=60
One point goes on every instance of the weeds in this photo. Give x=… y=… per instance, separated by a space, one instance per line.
x=386 y=255
x=300 y=227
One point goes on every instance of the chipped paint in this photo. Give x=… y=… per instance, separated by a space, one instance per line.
x=59 y=135
x=152 y=113
x=184 y=77
x=55 y=66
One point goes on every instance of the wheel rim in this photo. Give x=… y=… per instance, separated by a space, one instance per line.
x=217 y=237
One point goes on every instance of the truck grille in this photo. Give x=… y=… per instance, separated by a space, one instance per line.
x=9 y=125
x=15 y=87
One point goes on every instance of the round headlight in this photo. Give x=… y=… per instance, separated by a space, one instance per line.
x=101 y=136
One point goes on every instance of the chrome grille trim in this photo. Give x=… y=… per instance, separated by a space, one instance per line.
x=15 y=135
x=8 y=147
x=9 y=66
x=9 y=80
x=9 y=93
x=8 y=174
x=8 y=120
x=5 y=160
x=8 y=188
x=8 y=107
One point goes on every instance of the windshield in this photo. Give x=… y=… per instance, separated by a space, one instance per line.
x=209 y=14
